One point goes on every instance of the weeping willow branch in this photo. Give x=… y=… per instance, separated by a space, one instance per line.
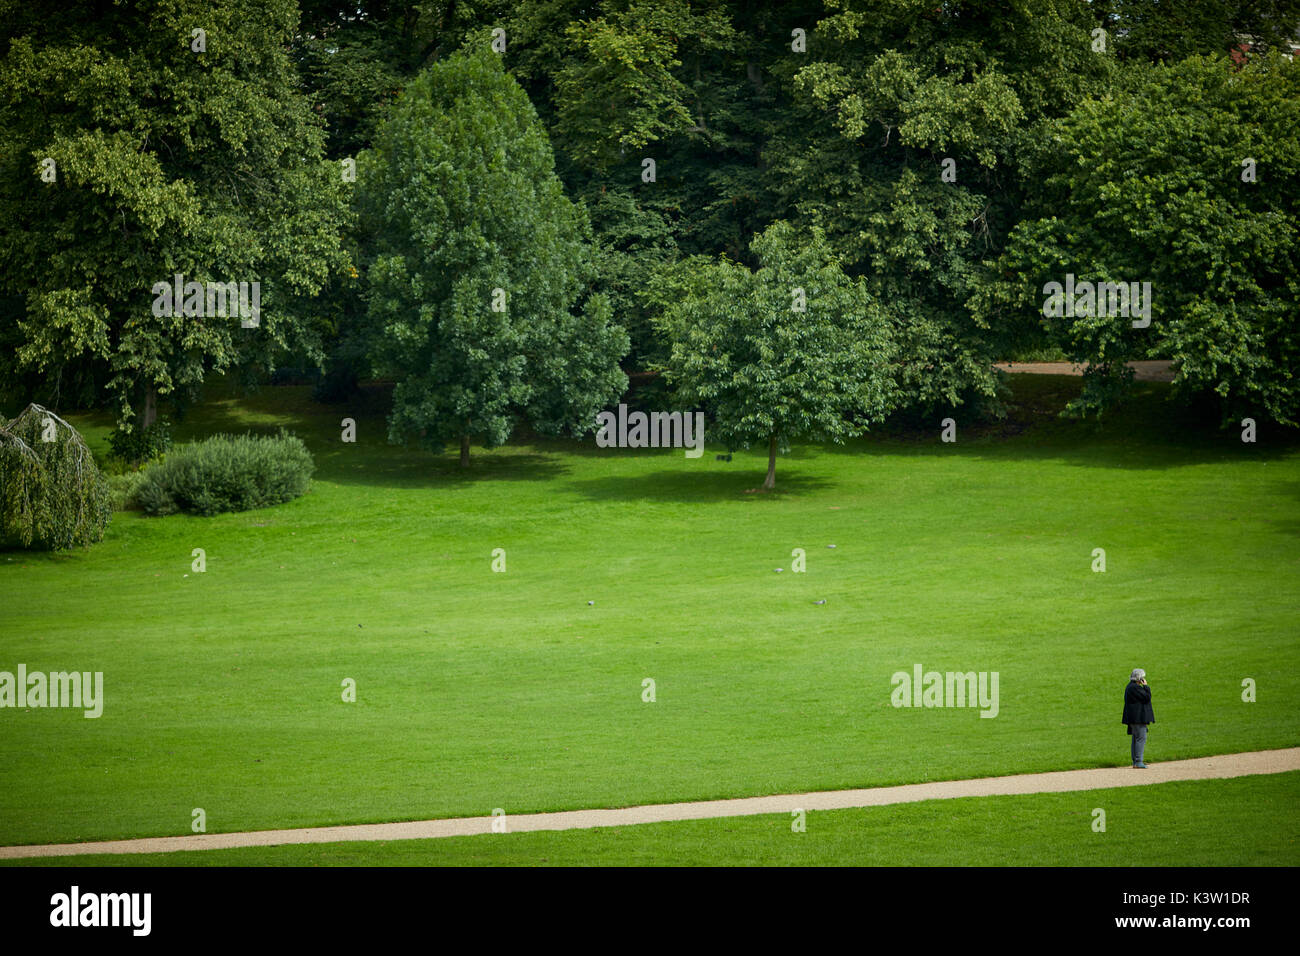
x=52 y=495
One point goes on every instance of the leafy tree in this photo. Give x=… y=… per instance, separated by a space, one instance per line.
x=794 y=350
x=52 y=496
x=890 y=97
x=1151 y=185
x=621 y=81
x=356 y=55
x=478 y=263
x=169 y=151
x=619 y=89
x=1169 y=30
x=354 y=59
x=634 y=244
x=141 y=445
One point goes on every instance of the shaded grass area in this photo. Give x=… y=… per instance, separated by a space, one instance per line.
x=1189 y=823
x=478 y=690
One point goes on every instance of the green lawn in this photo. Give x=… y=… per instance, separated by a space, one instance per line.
x=1195 y=823
x=479 y=690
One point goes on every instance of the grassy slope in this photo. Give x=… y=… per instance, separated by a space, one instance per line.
x=1195 y=823
x=481 y=690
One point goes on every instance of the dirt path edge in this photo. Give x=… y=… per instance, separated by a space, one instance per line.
x=1059 y=781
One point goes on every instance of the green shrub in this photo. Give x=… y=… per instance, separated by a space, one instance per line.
x=52 y=495
x=226 y=473
x=122 y=489
x=140 y=445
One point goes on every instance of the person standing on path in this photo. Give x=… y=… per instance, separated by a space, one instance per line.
x=1138 y=713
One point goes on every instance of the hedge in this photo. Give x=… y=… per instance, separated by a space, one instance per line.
x=226 y=473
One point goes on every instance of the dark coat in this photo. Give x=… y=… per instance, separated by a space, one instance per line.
x=1137 y=705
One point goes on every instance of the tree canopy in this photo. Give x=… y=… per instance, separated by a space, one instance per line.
x=142 y=143
x=793 y=350
x=584 y=157
x=477 y=265
x=1185 y=178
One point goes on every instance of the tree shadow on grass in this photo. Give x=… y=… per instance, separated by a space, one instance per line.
x=16 y=557
x=1151 y=432
x=370 y=459
x=697 y=485
x=397 y=467
x=1289 y=526
x=1290 y=489
x=318 y=423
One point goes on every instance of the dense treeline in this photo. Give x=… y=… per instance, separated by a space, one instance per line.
x=505 y=207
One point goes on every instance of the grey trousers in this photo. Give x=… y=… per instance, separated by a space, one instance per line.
x=1139 y=744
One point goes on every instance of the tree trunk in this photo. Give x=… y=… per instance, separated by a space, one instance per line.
x=769 y=483
x=464 y=451
x=150 y=407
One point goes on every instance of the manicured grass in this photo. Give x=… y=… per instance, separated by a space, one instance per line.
x=478 y=690
x=1246 y=821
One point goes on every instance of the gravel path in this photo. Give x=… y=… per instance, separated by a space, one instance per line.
x=1159 y=370
x=1201 y=768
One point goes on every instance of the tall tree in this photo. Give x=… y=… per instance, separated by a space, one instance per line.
x=356 y=55
x=478 y=264
x=619 y=82
x=1186 y=179
x=1169 y=30
x=143 y=141
x=792 y=351
x=903 y=141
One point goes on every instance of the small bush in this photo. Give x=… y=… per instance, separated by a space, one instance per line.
x=122 y=489
x=226 y=473
x=140 y=445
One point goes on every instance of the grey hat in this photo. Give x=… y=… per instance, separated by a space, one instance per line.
x=1138 y=674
